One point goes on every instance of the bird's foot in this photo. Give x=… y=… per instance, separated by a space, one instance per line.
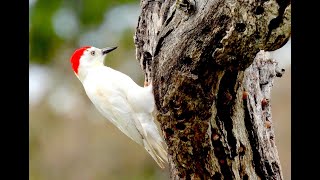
x=145 y=83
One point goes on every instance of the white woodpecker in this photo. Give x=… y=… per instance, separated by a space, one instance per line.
x=119 y=99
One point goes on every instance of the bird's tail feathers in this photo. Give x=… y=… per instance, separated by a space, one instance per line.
x=156 y=150
x=152 y=140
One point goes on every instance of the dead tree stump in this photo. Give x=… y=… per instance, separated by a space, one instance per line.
x=212 y=95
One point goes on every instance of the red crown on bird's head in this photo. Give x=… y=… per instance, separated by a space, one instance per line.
x=75 y=58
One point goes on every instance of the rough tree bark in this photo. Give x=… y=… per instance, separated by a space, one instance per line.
x=212 y=94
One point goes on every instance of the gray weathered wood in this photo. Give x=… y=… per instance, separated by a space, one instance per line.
x=212 y=99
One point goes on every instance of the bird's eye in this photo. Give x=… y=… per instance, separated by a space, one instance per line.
x=92 y=53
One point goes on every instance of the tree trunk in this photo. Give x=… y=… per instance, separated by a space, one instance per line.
x=212 y=95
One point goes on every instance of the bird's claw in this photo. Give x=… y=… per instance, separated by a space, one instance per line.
x=145 y=83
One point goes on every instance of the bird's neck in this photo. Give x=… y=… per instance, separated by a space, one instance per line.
x=83 y=72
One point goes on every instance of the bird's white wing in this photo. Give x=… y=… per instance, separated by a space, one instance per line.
x=126 y=118
x=110 y=99
x=151 y=139
x=138 y=126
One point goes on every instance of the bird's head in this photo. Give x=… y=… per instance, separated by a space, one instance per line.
x=87 y=57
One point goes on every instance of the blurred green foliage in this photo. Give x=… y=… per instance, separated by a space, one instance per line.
x=44 y=41
x=42 y=36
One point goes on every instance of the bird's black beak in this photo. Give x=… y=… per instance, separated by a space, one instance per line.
x=107 y=50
